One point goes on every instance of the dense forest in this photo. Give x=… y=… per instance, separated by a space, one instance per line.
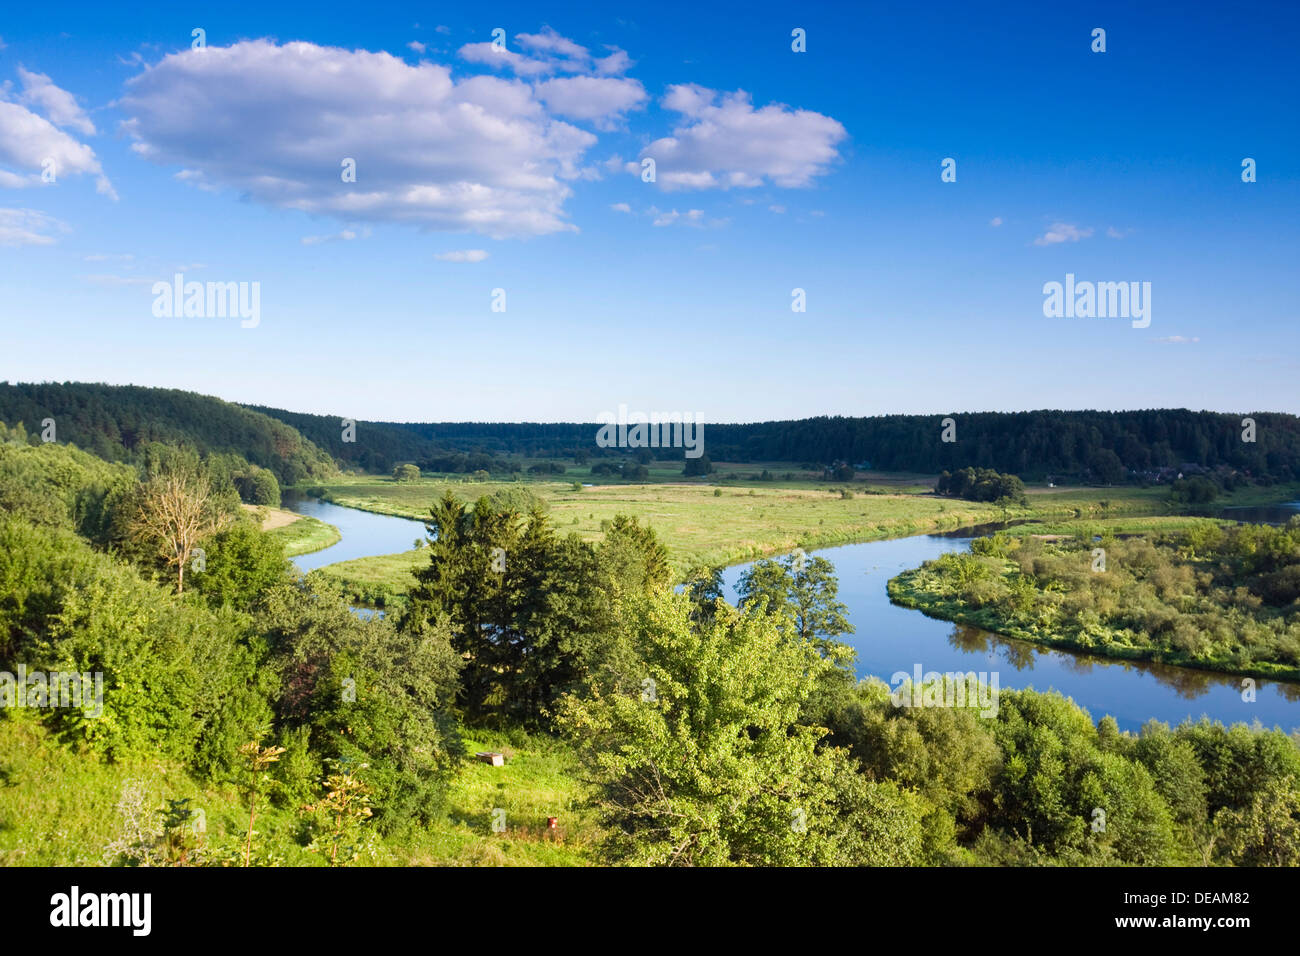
x=1103 y=447
x=116 y=422
x=1100 y=447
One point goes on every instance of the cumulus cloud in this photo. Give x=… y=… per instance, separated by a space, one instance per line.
x=1062 y=232
x=617 y=62
x=995 y=221
x=28 y=227
x=726 y=143
x=620 y=207
x=463 y=255
x=58 y=105
x=550 y=43
x=485 y=54
x=601 y=99
x=417 y=46
x=482 y=154
x=30 y=144
x=545 y=53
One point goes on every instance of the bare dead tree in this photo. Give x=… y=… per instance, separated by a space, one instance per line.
x=176 y=510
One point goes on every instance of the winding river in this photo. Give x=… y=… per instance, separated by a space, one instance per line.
x=889 y=638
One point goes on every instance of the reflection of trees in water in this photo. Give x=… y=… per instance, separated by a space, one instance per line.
x=1289 y=692
x=975 y=640
x=1187 y=682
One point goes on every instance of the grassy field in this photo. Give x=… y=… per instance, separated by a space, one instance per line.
x=720 y=521
x=538 y=781
x=60 y=808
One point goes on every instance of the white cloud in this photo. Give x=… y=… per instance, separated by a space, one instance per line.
x=109 y=257
x=30 y=144
x=550 y=43
x=1062 y=232
x=620 y=207
x=58 y=105
x=275 y=122
x=343 y=236
x=726 y=143
x=115 y=281
x=545 y=53
x=617 y=62
x=417 y=46
x=1114 y=233
x=995 y=221
x=463 y=255
x=1179 y=339
x=485 y=54
x=28 y=227
x=776 y=209
x=602 y=99
x=692 y=217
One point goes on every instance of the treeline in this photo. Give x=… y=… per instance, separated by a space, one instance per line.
x=1104 y=447
x=116 y=422
x=1216 y=598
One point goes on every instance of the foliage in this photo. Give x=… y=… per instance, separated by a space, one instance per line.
x=982 y=484
x=1206 y=596
x=117 y=422
x=717 y=767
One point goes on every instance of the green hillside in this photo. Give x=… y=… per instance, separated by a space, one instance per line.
x=116 y=421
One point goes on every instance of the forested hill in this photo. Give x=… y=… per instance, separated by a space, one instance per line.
x=1087 y=444
x=1030 y=444
x=115 y=421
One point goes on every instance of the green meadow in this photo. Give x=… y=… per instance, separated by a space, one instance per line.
x=727 y=520
x=59 y=807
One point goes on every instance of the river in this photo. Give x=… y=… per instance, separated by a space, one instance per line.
x=889 y=638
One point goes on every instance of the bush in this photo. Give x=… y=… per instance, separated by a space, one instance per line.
x=258 y=486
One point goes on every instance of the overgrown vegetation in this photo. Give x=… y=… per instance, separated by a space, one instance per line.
x=1212 y=597
x=657 y=727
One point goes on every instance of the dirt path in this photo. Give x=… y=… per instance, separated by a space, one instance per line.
x=272 y=517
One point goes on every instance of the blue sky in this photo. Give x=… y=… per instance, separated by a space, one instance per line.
x=775 y=170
